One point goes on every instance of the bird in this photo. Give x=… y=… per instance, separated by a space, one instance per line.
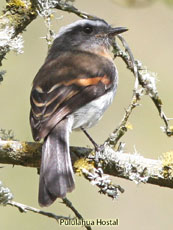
x=71 y=91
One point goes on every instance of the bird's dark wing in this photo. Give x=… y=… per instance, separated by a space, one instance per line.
x=64 y=85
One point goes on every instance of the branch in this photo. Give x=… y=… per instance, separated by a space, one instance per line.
x=25 y=208
x=6 y=198
x=74 y=10
x=145 y=78
x=59 y=219
x=115 y=163
x=123 y=127
x=16 y=17
x=69 y=204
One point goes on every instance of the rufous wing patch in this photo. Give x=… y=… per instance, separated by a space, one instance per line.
x=89 y=81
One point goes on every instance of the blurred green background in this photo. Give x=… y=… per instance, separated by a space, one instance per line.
x=141 y=207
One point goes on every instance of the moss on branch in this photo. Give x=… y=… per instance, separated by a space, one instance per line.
x=129 y=166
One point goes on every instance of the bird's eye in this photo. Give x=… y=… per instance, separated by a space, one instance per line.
x=88 y=29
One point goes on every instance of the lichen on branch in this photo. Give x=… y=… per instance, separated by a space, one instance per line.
x=15 y=18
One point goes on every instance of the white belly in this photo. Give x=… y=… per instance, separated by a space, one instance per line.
x=91 y=113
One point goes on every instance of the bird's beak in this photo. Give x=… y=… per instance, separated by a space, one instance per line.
x=117 y=30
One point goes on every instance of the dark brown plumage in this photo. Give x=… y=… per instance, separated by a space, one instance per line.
x=74 y=80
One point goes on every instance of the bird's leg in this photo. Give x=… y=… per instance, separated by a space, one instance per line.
x=98 y=148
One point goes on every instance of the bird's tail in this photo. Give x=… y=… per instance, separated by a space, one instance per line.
x=56 y=173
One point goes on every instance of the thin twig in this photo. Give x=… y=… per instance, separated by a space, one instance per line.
x=122 y=128
x=103 y=182
x=69 y=204
x=131 y=59
x=6 y=198
x=74 y=10
x=145 y=80
x=25 y=208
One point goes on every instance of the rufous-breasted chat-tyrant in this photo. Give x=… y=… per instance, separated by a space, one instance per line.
x=72 y=89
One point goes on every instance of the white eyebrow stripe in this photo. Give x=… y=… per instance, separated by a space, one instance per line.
x=81 y=22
